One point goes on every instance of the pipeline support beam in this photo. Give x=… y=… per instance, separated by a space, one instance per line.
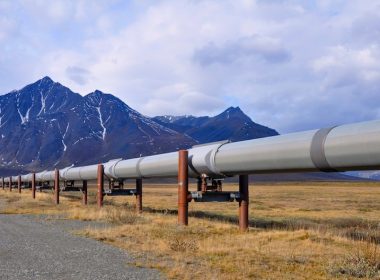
x=199 y=184
x=100 y=185
x=139 y=195
x=33 y=185
x=84 y=191
x=10 y=184
x=56 y=186
x=19 y=184
x=183 y=187
x=243 y=203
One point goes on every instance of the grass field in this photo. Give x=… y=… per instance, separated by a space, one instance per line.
x=297 y=231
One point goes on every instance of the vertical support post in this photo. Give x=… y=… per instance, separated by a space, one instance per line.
x=100 y=184
x=199 y=184
x=33 y=185
x=139 y=195
x=19 y=184
x=3 y=183
x=204 y=184
x=183 y=187
x=10 y=184
x=243 y=203
x=84 y=190
x=56 y=186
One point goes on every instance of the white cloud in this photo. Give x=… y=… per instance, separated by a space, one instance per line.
x=344 y=66
x=6 y=28
x=289 y=64
x=242 y=49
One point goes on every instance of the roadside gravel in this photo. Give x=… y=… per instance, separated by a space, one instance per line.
x=35 y=247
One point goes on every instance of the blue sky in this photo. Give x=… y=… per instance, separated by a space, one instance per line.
x=291 y=65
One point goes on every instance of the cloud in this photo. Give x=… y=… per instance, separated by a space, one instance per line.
x=255 y=47
x=180 y=99
x=78 y=74
x=344 y=67
x=7 y=26
x=365 y=28
x=289 y=64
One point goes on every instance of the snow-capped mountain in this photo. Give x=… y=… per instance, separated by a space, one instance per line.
x=232 y=124
x=46 y=125
x=370 y=175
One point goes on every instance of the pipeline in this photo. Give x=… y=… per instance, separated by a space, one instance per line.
x=336 y=149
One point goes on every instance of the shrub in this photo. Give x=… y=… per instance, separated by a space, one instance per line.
x=365 y=263
x=182 y=245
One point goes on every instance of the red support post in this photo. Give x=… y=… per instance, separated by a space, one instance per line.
x=84 y=190
x=10 y=184
x=243 y=203
x=100 y=184
x=183 y=187
x=139 y=195
x=19 y=184
x=33 y=185
x=56 y=186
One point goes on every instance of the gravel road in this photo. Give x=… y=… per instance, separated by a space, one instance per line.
x=33 y=247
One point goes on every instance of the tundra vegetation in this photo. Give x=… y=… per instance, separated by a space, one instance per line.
x=297 y=230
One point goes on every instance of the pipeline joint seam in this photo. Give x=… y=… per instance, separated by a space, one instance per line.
x=190 y=162
x=138 y=167
x=213 y=159
x=317 y=150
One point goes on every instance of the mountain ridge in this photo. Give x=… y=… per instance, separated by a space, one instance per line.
x=45 y=125
x=233 y=124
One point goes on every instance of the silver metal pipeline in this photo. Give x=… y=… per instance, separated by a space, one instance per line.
x=341 y=148
x=26 y=177
x=72 y=173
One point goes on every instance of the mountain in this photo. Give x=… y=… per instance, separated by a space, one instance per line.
x=232 y=124
x=370 y=175
x=46 y=125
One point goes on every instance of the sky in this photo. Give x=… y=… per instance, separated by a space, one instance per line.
x=291 y=65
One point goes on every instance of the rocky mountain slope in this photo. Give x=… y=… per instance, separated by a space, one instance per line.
x=46 y=125
x=232 y=124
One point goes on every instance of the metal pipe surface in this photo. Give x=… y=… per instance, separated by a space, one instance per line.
x=71 y=173
x=341 y=148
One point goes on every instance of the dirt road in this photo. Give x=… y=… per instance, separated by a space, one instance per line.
x=34 y=247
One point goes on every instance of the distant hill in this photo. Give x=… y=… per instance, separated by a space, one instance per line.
x=46 y=125
x=232 y=124
x=370 y=175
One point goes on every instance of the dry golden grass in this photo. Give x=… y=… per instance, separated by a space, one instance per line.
x=298 y=231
